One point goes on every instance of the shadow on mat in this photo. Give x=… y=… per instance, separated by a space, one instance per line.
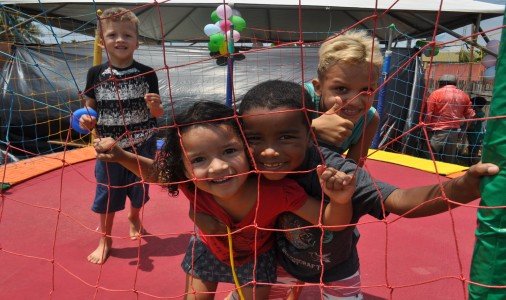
x=154 y=246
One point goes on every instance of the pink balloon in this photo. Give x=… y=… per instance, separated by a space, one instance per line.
x=225 y=25
x=236 y=35
x=493 y=45
x=224 y=11
x=488 y=61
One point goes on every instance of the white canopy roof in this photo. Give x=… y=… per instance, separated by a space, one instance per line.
x=273 y=20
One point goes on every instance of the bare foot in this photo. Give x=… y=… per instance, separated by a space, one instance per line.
x=100 y=255
x=136 y=230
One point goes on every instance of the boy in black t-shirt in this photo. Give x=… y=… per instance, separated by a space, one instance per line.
x=125 y=95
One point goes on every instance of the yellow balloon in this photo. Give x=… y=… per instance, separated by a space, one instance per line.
x=224 y=48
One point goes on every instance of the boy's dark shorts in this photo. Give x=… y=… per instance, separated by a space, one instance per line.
x=115 y=183
x=207 y=267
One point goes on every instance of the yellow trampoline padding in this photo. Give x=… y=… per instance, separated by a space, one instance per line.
x=423 y=164
x=14 y=173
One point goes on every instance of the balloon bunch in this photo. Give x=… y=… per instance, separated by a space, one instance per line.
x=222 y=30
x=489 y=61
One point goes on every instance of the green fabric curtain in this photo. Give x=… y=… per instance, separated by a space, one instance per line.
x=489 y=258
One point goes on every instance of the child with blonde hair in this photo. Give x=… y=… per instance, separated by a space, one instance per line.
x=348 y=72
x=126 y=97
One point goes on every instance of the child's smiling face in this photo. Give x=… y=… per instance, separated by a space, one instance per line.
x=215 y=152
x=121 y=40
x=341 y=86
x=279 y=141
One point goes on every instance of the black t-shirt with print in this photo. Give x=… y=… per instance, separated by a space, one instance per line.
x=120 y=101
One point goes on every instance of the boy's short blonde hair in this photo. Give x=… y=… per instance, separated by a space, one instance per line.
x=119 y=14
x=351 y=47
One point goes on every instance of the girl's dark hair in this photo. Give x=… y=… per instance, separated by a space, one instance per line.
x=273 y=94
x=169 y=163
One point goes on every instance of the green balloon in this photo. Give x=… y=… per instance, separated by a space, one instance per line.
x=239 y=23
x=212 y=47
x=214 y=17
x=217 y=39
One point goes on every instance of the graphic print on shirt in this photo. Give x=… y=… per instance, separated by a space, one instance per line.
x=304 y=239
x=122 y=106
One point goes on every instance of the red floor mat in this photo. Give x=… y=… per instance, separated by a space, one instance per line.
x=47 y=229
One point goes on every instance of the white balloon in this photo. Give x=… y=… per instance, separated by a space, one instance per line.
x=211 y=29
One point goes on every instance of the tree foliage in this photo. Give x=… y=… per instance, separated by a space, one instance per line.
x=465 y=55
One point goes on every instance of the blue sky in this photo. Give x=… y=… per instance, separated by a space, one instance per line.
x=485 y=25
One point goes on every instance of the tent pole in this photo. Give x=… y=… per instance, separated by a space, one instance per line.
x=230 y=66
x=383 y=90
x=97 y=50
x=411 y=109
